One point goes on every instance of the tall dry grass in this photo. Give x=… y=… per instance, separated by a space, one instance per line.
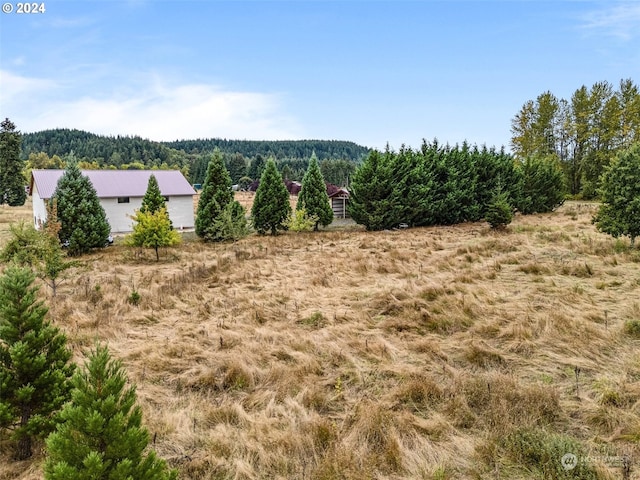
x=423 y=353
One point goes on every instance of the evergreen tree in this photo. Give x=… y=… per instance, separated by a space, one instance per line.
x=271 y=206
x=256 y=167
x=101 y=433
x=216 y=197
x=82 y=219
x=619 y=214
x=313 y=196
x=153 y=199
x=34 y=362
x=153 y=230
x=499 y=213
x=542 y=186
x=372 y=186
x=237 y=167
x=12 y=182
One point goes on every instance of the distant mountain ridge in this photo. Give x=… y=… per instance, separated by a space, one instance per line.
x=242 y=157
x=117 y=150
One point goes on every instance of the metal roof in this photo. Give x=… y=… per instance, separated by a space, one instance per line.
x=117 y=183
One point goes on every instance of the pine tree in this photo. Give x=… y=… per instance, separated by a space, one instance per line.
x=34 y=362
x=153 y=230
x=216 y=197
x=271 y=206
x=153 y=199
x=83 y=220
x=12 y=182
x=313 y=195
x=101 y=433
x=619 y=213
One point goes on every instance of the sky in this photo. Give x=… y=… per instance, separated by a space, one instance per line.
x=373 y=72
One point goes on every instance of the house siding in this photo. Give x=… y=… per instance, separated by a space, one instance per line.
x=39 y=209
x=129 y=184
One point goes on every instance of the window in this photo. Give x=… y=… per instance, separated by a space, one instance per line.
x=123 y=199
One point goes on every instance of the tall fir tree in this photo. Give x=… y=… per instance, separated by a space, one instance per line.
x=271 y=206
x=618 y=214
x=34 y=362
x=153 y=199
x=313 y=195
x=101 y=433
x=83 y=222
x=370 y=201
x=216 y=205
x=12 y=183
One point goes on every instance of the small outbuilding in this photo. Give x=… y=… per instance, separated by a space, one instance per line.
x=339 y=198
x=120 y=193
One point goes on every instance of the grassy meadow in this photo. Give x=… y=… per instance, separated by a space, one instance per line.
x=428 y=353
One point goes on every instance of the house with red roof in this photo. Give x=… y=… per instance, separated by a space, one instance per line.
x=120 y=193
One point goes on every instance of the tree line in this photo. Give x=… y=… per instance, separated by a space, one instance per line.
x=52 y=148
x=583 y=133
x=444 y=185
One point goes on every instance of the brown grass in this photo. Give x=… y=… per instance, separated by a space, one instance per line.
x=351 y=354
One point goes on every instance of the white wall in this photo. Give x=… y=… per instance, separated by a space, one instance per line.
x=118 y=213
x=180 y=212
x=39 y=208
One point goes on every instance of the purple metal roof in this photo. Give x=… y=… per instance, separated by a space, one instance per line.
x=117 y=183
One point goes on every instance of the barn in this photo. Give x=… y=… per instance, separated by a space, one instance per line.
x=120 y=193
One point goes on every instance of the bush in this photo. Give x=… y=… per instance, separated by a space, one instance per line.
x=540 y=454
x=300 y=221
x=632 y=328
x=499 y=212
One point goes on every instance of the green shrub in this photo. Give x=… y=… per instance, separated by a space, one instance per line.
x=540 y=453
x=300 y=221
x=632 y=328
x=499 y=212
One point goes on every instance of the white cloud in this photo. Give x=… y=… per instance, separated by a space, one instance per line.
x=153 y=110
x=621 y=20
x=16 y=87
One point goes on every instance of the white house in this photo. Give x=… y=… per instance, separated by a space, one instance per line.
x=120 y=193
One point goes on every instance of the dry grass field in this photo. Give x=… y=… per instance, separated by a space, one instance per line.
x=429 y=353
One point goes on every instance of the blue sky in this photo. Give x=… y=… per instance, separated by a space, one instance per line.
x=367 y=71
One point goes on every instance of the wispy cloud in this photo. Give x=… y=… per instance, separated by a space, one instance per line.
x=158 y=111
x=620 y=20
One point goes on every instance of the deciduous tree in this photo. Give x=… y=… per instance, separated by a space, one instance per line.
x=153 y=230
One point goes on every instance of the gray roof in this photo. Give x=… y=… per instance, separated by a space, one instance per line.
x=117 y=183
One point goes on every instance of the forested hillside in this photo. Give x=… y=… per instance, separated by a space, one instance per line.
x=191 y=156
x=280 y=149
